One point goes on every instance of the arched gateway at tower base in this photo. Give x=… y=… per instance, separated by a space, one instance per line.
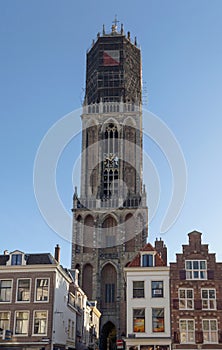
x=108 y=336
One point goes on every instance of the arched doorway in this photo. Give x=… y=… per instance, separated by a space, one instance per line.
x=108 y=337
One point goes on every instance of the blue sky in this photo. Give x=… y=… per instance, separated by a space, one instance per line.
x=42 y=74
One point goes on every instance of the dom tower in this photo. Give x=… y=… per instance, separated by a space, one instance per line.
x=110 y=214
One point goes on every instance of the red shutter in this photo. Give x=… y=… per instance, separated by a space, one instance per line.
x=176 y=304
x=219 y=304
x=176 y=337
x=197 y=304
x=199 y=336
x=182 y=274
x=210 y=274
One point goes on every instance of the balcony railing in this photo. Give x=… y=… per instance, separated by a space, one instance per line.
x=110 y=107
x=91 y=203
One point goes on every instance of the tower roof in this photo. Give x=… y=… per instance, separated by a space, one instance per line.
x=113 y=71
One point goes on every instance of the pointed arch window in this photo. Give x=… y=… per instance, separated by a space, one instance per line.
x=88 y=231
x=110 y=162
x=109 y=232
x=108 y=285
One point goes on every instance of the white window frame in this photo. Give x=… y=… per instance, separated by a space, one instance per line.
x=187 y=331
x=156 y=330
x=33 y=324
x=138 y=317
x=21 y=334
x=35 y=296
x=73 y=330
x=69 y=328
x=155 y=291
x=151 y=253
x=186 y=299
x=208 y=299
x=30 y=286
x=8 y=301
x=210 y=331
x=140 y=289
x=9 y=319
x=196 y=273
x=16 y=252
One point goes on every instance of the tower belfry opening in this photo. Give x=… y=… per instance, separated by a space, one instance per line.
x=110 y=214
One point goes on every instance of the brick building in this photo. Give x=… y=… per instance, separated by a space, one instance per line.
x=196 y=297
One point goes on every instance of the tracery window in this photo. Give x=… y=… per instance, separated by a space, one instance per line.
x=110 y=162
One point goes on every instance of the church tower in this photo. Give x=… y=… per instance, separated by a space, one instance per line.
x=110 y=216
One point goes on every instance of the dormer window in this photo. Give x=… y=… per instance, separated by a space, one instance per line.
x=147 y=260
x=16 y=259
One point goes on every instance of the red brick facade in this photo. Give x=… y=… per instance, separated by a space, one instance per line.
x=196 y=297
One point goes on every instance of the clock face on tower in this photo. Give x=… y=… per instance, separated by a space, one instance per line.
x=111 y=160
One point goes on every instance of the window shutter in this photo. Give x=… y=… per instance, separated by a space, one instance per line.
x=176 y=337
x=199 y=336
x=182 y=274
x=220 y=336
x=210 y=274
x=198 y=304
x=176 y=304
x=219 y=304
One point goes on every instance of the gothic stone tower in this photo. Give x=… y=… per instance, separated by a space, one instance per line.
x=110 y=215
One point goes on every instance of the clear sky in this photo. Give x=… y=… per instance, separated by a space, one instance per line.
x=42 y=78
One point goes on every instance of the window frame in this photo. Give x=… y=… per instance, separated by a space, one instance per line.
x=138 y=289
x=193 y=272
x=161 y=295
x=15 y=323
x=17 y=290
x=150 y=254
x=16 y=259
x=210 y=331
x=187 y=331
x=73 y=330
x=141 y=319
x=35 y=296
x=69 y=328
x=161 y=320
x=208 y=299
x=2 y=320
x=186 y=299
x=11 y=288
x=46 y=324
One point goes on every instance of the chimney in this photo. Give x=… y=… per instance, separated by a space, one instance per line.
x=161 y=249
x=195 y=241
x=57 y=253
